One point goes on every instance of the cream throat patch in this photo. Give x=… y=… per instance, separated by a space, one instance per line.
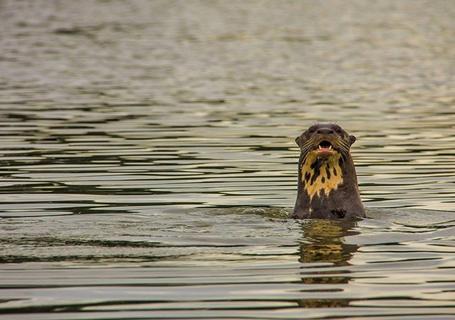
x=321 y=176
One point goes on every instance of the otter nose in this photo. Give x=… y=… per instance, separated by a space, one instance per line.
x=325 y=131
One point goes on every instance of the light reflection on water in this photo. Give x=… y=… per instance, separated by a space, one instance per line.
x=148 y=163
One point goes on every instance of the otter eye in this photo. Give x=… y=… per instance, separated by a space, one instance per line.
x=338 y=130
x=312 y=130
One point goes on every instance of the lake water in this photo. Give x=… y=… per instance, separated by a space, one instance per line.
x=148 y=163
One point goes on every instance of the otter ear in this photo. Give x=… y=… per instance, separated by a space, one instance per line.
x=300 y=140
x=352 y=139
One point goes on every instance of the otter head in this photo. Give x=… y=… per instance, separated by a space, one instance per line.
x=326 y=172
x=325 y=141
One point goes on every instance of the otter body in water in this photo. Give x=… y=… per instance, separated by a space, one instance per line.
x=327 y=186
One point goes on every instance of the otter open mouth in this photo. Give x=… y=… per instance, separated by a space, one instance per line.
x=325 y=147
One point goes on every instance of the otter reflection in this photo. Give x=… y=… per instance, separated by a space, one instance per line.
x=323 y=241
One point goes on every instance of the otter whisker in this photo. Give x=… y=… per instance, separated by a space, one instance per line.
x=307 y=146
x=344 y=147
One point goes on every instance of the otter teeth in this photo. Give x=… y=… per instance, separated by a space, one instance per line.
x=320 y=148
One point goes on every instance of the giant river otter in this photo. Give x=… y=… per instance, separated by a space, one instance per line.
x=327 y=186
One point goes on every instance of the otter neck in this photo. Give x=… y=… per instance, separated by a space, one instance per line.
x=320 y=176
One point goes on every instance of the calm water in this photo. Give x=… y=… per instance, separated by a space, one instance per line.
x=147 y=159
